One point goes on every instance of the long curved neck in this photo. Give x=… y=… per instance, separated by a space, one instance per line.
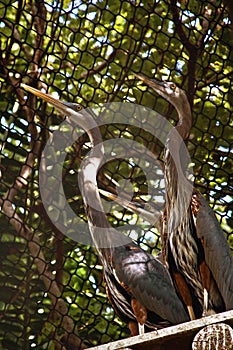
x=178 y=188
x=103 y=234
x=184 y=119
x=90 y=167
x=175 y=162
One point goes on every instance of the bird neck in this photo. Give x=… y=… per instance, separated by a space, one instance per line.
x=178 y=188
x=90 y=167
x=185 y=120
x=104 y=236
x=175 y=153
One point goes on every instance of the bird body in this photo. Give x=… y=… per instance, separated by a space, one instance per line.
x=217 y=251
x=195 y=248
x=138 y=277
x=138 y=285
x=149 y=282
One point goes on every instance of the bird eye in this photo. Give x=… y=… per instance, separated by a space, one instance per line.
x=78 y=107
x=173 y=86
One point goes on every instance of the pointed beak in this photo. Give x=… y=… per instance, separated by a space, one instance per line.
x=85 y=119
x=61 y=106
x=153 y=83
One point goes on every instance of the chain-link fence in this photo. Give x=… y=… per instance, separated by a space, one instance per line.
x=52 y=292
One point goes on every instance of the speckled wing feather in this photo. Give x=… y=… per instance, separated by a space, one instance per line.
x=217 y=251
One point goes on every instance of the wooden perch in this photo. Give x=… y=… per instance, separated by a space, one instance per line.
x=178 y=337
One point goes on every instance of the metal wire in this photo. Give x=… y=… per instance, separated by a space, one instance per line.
x=52 y=293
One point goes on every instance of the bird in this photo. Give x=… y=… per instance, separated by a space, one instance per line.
x=195 y=249
x=138 y=285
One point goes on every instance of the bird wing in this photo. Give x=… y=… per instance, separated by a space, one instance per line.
x=217 y=251
x=148 y=281
x=119 y=298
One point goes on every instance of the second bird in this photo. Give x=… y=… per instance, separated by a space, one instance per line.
x=195 y=248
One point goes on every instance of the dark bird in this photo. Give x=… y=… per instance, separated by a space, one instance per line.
x=195 y=248
x=138 y=285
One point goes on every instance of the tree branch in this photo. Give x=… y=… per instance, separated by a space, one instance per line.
x=179 y=28
x=43 y=268
x=191 y=48
x=229 y=5
x=101 y=66
x=24 y=231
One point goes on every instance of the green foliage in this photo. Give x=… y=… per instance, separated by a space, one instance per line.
x=86 y=52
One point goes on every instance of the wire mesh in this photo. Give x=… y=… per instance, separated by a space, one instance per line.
x=52 y=292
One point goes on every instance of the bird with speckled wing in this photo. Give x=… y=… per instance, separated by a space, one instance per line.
x=138 y=285
x=196 y=251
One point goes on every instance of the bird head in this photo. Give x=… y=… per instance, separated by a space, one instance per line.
x=168 y=90
x=61 y=106
x=177 y=97
x=74 y=111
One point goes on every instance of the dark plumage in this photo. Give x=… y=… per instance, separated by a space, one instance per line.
x=138 y=285
x=195 y=248
x=138 y=275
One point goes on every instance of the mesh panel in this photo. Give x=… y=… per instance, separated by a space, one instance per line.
x=52 y=290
